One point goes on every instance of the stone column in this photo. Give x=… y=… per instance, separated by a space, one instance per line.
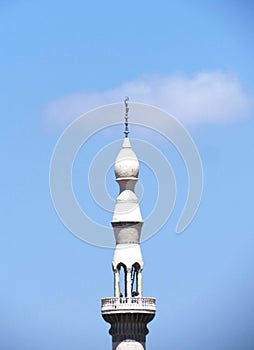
x=139 y=283
x=128 y=282
x=116 y=284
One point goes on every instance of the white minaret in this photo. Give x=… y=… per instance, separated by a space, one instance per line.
x=127 y=312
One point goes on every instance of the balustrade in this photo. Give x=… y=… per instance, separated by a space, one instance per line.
x=110 y=304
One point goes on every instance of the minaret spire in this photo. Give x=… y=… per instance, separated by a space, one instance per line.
x=126 y=117
x=128 y=311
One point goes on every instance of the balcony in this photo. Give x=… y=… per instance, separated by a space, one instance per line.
x=124 y=305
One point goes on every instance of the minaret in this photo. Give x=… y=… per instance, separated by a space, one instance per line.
x=128 y=311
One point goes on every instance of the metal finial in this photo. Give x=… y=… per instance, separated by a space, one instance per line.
x=126 y=131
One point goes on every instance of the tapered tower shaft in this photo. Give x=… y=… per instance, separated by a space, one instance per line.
x=128 y=311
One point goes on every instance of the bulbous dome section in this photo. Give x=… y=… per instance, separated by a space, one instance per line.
x=126 y=164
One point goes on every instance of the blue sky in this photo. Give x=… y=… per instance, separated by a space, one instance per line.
x=58 y=59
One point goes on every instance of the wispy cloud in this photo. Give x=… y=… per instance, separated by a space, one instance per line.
x=207 y=97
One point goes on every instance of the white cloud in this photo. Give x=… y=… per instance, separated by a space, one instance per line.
x=207 y=97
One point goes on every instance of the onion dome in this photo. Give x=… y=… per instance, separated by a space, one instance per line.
x=126 y=164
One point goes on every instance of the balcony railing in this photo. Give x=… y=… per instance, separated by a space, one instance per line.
x=124 y=304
